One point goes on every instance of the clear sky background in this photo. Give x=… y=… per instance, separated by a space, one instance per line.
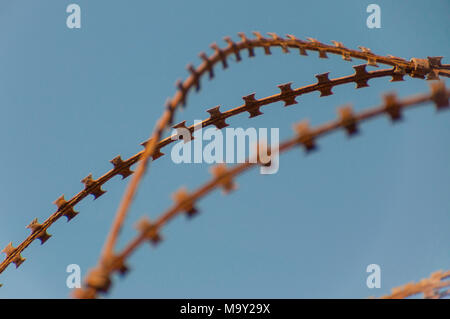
x=71 y=100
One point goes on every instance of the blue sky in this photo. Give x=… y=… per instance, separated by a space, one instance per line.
x=71 y=100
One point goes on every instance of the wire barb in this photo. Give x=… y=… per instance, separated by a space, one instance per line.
x=265 y=43
x=319 y=47
x=361 y=76
x=122 y=168
x=149 y=231
x=232 y=45
x=392 y=107
x=439 y=95
x=220 y=172
x=345 y=53
x=98 y=279
x=287 y=94
x=216 y=117
x=348 y=120
x=9 y=250
x=324 y=83
x=35 y=227
x=92 y=186
x=157 y=153
x=182 y=90
x=66 y=209
x=185 y=202
x=195 y=75
x=252 y=105
x=299 y=43
x=305 y=136
x=248 y=44
x=208 y=63
x=221 y=54
x=283 y=45
x=181 y=129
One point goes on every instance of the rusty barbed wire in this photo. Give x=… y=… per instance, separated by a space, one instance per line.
x=98 y=279
x=431 y=287
x=217 y=118
x=429 y=68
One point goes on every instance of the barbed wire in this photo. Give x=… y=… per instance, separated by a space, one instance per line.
x=217 y=118
x=430 y=68
x=98 y=279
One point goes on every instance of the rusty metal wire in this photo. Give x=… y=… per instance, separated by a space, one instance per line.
x=217 y=118
x=98 y=279
x=430 y=288
x=429 y=68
